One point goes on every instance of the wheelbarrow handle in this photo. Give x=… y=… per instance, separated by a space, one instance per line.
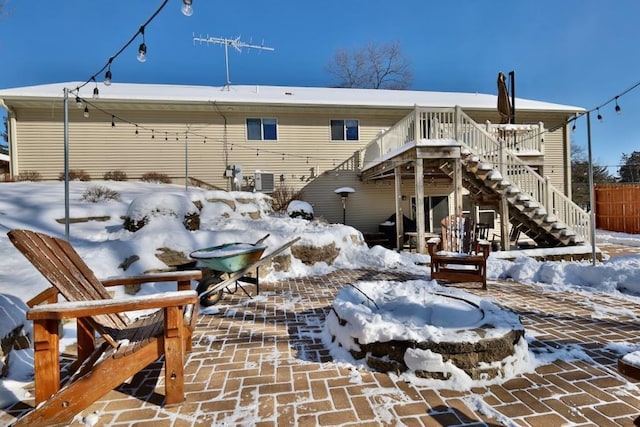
x=262 y=240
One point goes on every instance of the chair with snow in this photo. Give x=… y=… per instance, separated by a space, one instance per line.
x=110 y=347
x=458 y=255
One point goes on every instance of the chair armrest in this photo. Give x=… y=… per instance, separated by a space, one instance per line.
x=48 y=295
x=76 y=309
x=172 y=276
x=432 y=245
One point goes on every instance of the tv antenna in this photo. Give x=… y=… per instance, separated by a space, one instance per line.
x=236 y=43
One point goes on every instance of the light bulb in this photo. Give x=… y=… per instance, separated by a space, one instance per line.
x=96 y=93
x=107 y=78
x=187 y=9
x=79 y=103
x=142 y=52
x=86 y=112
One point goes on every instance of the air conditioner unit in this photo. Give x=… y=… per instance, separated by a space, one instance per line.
x=264 y=182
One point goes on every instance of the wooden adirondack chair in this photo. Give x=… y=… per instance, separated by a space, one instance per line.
x=459 y=256
x=125 y=347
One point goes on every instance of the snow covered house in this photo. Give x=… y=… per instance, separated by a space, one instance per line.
x=318 y=139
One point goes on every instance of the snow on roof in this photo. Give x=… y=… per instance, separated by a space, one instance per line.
x=283 y=95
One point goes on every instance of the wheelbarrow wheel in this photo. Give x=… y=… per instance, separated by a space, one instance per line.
x=212 y=298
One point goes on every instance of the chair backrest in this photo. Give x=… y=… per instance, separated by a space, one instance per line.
x=66 y=271
x=458 y=234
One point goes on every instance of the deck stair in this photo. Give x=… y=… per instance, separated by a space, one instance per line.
x=491 y=169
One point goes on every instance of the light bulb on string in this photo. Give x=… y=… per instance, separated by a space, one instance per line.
x=96 y=92
x=142 y=50
x=187 y=8
x=166 y=136
x=600 y=119
x=86 y=112
x=107 y=75
x=79 y=102
x=137 y=133
x=113 y=121
x=153 y=135
x=617 y=108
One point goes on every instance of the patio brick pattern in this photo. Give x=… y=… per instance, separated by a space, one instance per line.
x=261 y=362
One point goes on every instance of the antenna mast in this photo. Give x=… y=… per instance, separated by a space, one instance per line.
x=235 y=43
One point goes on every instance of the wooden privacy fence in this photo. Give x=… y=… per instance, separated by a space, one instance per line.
x=618 y=207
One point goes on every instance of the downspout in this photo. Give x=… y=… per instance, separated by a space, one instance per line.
x=225 y=148
x=11 y=136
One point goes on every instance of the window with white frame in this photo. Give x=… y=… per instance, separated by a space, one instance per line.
x=262 y=129
x=345 y=130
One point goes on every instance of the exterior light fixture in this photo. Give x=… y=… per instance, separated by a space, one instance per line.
x=142 y=50
x=187 y=9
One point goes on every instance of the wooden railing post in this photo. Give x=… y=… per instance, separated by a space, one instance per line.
x=547 y=196
x=457 y=123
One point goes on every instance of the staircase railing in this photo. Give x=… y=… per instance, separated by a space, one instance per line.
x=453 y=123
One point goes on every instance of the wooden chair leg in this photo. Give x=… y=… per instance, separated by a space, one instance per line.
x=46 y=359
x=174 y=331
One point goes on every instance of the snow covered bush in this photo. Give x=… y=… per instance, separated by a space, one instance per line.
x=300 y=209
x=145 y=208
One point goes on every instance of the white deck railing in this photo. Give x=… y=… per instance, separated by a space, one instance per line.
x=480 y=141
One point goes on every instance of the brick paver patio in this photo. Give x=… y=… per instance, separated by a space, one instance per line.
x=261 y=362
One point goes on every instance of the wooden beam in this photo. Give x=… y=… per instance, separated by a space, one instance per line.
x=399 y=214
x=419 y=186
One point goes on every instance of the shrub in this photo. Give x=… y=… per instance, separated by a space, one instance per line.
x=300 y=209
x=115 y=176
x=282 y=195
x=98 y=193
x=76 y=175
x=29 y=176
x=156 y=177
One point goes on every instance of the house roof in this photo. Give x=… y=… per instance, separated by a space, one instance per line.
x=279 y=95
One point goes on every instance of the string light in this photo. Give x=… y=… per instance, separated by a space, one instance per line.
x=166 y=136
x=113 y=121
x=600 y=119
x=86 y=112
x=137 y=133
x=617 y=108
x=187 y=9
x=108 y=75
x=142 y=49
x=96 y=92
x=79 y=102
x=153 y=135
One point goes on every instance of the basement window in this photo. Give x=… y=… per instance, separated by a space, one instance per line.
x=263 y=129
x=344 y=130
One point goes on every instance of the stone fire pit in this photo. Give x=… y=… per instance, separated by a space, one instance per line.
x=432 y=332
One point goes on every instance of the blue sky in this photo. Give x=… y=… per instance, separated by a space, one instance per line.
x=574 y=52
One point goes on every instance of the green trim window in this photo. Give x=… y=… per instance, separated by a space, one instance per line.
x=262 y=129
x=345 y=130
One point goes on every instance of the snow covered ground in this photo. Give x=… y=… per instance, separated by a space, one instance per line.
x=106 y=244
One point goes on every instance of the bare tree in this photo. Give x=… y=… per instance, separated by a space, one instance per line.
x=373 y=67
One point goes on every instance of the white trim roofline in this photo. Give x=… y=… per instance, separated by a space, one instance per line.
x=279 y=95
